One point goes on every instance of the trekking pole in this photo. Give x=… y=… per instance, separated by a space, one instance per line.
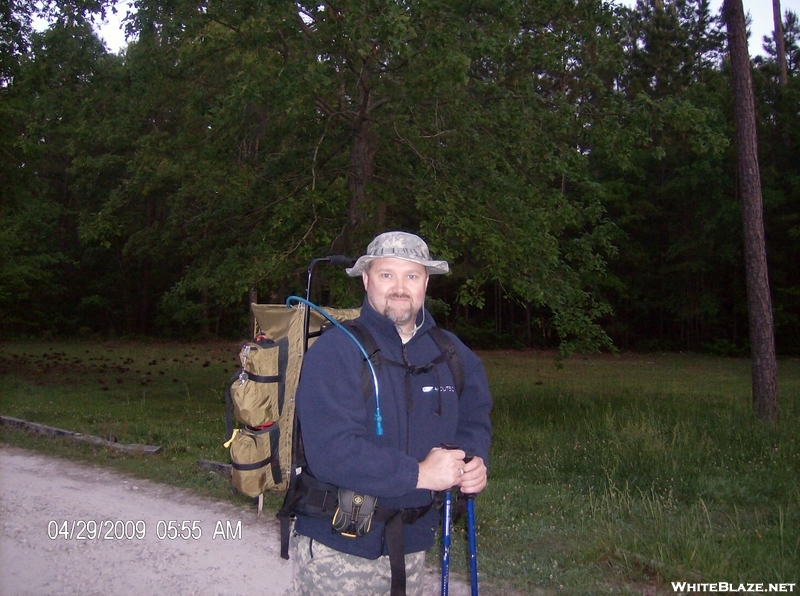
x=446 y=540
x=447 y=516
x=447 y=524
x=473 y=546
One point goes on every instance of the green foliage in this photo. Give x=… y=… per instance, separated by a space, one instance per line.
x=263 y=135
x=571 y=160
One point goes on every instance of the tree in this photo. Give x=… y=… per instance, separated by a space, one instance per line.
x=780 y=45
x=779 y=158
x=672 y=291
x=279 y=131
x=764 y=366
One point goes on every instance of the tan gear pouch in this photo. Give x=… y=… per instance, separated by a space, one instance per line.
x=254 y=459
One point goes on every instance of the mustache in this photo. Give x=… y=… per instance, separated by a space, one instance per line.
x=396 y=295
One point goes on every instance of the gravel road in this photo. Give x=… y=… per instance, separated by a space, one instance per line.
x=68 y=528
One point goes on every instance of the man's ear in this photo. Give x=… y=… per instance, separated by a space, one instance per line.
x=365 y=278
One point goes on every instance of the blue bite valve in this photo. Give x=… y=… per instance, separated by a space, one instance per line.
x=378 y=424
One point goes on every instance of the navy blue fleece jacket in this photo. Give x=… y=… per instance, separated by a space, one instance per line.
x=338 y=425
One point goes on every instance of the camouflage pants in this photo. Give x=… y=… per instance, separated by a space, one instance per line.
x=322 y=570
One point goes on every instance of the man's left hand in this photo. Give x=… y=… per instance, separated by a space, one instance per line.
x=473 y=477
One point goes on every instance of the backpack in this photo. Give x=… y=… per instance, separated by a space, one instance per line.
x=260 y=396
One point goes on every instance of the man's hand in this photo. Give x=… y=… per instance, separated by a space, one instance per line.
x=473 y=480
x=443 y=469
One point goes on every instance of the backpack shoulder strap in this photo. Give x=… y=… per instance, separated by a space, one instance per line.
x=443 y=341
x=452 y=355
x=366 y=340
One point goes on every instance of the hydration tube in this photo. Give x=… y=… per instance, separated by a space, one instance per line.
x=308 y=303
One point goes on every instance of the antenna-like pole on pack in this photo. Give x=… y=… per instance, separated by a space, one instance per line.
x=337 y=260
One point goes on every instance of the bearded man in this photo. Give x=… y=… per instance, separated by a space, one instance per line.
x=404 y=465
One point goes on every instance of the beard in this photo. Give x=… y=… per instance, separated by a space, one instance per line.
x=399 y=316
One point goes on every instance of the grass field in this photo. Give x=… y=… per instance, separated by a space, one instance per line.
x=609 y=475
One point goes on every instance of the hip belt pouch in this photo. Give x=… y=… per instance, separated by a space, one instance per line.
x=254 y=459
x=353 y=516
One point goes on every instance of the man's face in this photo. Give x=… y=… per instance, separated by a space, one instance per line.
x=396 y=289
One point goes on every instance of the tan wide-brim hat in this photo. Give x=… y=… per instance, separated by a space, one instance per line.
x=399 y=245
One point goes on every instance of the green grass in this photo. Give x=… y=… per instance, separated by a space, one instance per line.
x=608 y=475
x=613 y=474
x=169 y=395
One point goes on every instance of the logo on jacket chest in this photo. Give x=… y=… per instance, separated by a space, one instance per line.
x=440 y=388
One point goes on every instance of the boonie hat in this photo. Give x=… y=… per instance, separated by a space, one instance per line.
x=399 y=245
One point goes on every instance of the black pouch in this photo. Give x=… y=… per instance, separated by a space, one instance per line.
x=353 y=517
x=312 y=497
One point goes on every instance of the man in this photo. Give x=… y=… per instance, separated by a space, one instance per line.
x=420 y=411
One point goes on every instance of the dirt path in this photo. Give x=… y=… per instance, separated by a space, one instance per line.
x=50 y=509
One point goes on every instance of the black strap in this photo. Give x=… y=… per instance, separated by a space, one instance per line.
x=394 y=520
x=286 y=526
x=397 y=558
x=367 y=342
x=260 y=379
x=273 y=460
x=290 y=500
x=253 y=466
x=283 y=363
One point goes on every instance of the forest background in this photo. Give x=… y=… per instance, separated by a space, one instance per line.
x=573 y=160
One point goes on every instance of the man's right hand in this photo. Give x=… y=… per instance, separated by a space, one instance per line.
x=441 y=469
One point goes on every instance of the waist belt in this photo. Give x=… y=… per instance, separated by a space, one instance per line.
x=308 y=496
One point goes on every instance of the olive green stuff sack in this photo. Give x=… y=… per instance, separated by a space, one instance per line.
x=258 y=391
x=254 y=459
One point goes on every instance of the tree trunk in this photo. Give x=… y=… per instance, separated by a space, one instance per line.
x=362 y=158
x=780 y=45
x=362 y=206
x=759 y=304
